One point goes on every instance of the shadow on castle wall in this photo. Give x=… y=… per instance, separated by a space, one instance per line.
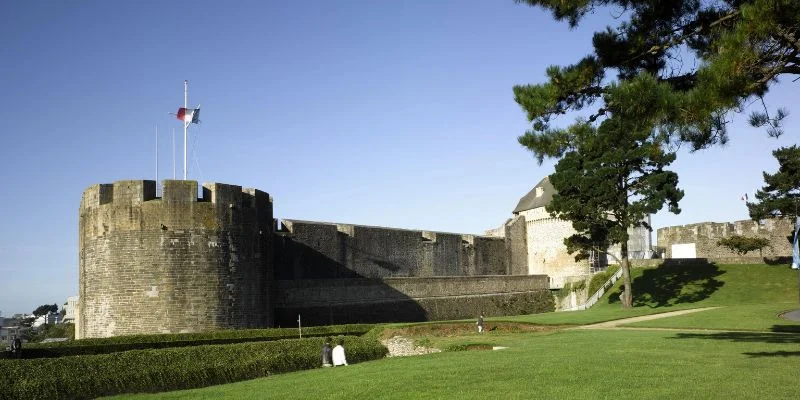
x=323 y=291
x=676 y=281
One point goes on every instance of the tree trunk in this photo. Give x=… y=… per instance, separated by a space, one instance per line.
x=627 y=294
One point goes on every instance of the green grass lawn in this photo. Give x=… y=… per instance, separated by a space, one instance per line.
x=752 y=296
x=602 y=364
x=565 y=365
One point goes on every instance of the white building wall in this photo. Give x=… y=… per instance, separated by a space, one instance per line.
x=69 y=308
x=640 y=244
x=547 y=253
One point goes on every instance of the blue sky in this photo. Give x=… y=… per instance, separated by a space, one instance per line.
x=380 y=113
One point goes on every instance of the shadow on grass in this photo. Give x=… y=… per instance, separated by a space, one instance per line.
x=674 y=283
x=775 y=354
x=780 y=334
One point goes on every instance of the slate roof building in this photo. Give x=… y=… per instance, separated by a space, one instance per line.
x=544 y=239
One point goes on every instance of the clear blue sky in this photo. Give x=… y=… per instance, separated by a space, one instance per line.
x=396 y=114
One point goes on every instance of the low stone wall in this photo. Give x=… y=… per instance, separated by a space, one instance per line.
x=337 y=301
x=716 y=260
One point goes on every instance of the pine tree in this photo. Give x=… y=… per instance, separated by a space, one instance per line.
x=609 y=179
x=682 y=66
x=780 y=197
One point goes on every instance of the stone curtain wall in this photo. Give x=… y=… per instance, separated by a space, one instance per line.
x=174 y=264
x=313 y=250
x=705 y=236
x=338 y=301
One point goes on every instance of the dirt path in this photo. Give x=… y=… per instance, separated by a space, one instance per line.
x=617 y=324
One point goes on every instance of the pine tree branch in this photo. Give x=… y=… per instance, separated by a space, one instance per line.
x=655 y=49
x=788 y=37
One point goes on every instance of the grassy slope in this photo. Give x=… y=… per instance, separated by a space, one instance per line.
x=752 y=296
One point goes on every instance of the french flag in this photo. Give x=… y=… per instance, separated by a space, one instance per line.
x=191 y=115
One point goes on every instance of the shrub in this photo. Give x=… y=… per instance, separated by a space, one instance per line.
x=600 y=278
x=82 y=377
x=743 y=244
x=468 y=346
x=525 y=303
x=160 y=341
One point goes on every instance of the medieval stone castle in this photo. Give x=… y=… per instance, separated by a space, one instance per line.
x=179 y=263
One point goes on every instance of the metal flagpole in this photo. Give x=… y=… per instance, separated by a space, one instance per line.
x=173 y=153
x=185 y=125
x=156 y=160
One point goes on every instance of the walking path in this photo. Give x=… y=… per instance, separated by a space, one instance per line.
x=617 y=323
x=792 y=315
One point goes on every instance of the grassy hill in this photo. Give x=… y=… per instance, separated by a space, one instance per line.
x=751 y=297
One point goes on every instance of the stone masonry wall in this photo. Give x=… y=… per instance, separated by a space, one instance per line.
x=318 y=250
x=517 y=245
x=176 y=263
x=547 y=253
x=329 y=301
x=705 y=236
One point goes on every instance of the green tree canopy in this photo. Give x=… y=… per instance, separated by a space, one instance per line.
x=44 y=309
x=707 y=58
x=781 y=194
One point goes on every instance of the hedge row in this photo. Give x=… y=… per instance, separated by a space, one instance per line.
x=83 y=377
x=143 y=342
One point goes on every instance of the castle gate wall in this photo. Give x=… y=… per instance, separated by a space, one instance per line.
x=176 y=263
x=547 y=253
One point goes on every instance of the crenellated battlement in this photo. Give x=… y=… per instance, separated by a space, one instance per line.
x=135 y=192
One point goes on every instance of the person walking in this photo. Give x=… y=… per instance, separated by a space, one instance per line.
x=338 y=354
x=16 y=347
x=479 y=323
x=327 y=353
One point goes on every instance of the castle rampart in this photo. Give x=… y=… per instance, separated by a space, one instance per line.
x=337 y=301
x=700 y=240
x=175 y=263
x=315 y=249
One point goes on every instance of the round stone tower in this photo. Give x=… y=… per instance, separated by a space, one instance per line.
x=175 y=263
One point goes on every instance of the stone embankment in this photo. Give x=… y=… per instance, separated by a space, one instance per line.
x=401 y=346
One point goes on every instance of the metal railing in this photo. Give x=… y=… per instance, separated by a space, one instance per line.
x=597 y=295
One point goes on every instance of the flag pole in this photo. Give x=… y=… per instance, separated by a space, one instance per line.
x=173 y=153
x=156 y=160
x=185 y=125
